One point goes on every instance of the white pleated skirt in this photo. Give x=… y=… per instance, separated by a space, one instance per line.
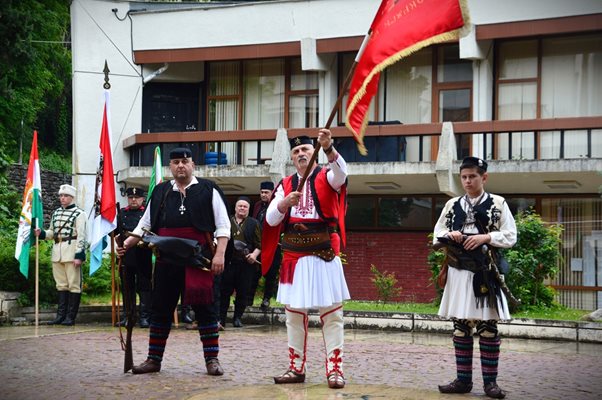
x=316 y=284
x=459 y=300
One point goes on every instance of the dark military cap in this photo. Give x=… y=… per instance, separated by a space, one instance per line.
x=180 y=152
x=473 y=162
x=299 y=140
x=134 y=192
x=267 y=185
x=244 y=198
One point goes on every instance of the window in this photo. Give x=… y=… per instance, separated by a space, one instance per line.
x=412 y=91
x=302 y=96
x=548 y=78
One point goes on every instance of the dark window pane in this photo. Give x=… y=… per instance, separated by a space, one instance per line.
x=519 y=204
x=405 y=212
x=360 y=212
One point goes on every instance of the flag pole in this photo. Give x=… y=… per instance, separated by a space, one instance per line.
x=37 y=294
x=334 y=110
x=107 y=86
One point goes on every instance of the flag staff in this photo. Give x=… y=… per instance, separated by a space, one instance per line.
x=37 y=294
x=107 y=86
x=335 y=109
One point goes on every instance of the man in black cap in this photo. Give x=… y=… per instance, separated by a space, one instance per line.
x=191 y=208
x=312 y=222
x=271 y=278
x=136 y=266
x=472 y=297
x=238 y=274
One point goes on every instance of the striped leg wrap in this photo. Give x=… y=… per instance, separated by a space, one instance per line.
x=463 y=347
x=490 y=354
x=210 y=339
x=157 y=339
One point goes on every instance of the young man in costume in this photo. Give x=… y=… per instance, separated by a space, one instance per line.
x=472 y=297
x=68 y=231
x=191 y=208
x=311 y=219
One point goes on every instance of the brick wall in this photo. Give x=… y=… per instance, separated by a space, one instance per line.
x=51 y=183
x=404 y=253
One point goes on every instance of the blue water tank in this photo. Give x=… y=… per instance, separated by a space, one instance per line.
x=212 y=159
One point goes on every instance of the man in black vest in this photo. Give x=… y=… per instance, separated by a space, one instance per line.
x=246 y=238
x=136 y=266
x=191 y=208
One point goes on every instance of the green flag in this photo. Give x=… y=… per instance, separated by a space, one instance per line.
x=32 y=214
x=156 y=174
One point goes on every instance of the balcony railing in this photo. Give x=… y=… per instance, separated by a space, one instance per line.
x=559 y=138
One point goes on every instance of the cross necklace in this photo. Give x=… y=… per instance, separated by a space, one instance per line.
x=182 y=207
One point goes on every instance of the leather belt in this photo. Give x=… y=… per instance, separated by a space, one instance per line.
x=64 y=239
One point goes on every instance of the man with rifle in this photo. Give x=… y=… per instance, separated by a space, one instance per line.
x=136 y=265
x=474 y=295
x=190 y=208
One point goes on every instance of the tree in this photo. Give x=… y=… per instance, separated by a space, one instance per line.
x=35 y=73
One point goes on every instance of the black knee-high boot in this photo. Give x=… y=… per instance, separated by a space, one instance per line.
x=61 y=312
x=74 y=299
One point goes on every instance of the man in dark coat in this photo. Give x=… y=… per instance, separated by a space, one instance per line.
x=191 y=208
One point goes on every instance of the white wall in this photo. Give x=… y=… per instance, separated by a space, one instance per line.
x=98 y=36
x=269 y=22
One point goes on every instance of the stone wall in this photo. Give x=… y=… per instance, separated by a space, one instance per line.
x=51 y=182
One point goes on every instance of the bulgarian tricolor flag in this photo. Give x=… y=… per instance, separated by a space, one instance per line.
x=105 y=206
x=32 y=213
x=400 y=28
x=156 y=174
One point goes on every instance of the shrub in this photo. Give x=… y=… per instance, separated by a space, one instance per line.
x=533 y=259
x=435 y=259
x=12 y=280
x=385 y=284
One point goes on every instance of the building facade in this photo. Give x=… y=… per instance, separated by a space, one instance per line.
x=233 y=80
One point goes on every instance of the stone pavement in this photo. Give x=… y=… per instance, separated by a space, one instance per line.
x=86 y=362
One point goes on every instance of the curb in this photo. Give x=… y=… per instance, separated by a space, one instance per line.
x=575 y=331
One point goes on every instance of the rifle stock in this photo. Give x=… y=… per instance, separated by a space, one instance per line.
x=130 y=309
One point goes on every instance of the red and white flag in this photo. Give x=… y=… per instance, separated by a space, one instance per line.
x=400 y=28
x=105 y=211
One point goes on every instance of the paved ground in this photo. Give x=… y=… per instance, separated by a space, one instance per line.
x=86 y=362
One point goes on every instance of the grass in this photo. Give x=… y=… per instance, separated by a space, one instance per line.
x=556 y=313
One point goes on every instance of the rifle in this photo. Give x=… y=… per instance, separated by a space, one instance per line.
x=130 y=309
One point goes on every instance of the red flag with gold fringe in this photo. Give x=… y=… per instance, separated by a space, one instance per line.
x=400 y=28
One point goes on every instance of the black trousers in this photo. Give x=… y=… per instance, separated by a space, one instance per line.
x=168 y=287
x=271 y=279
x=237 y=277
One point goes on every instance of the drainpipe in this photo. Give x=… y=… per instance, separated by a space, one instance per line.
x=158 y=72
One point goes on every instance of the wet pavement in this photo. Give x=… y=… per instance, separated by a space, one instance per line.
x=86 y=362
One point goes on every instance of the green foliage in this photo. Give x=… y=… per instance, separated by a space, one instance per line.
x=99 y=283
x=435 y=260
x=53 y=161
x=534 y=258
x=35 y=73
x=11 y=278
x=10 y=200
x=385 y=284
